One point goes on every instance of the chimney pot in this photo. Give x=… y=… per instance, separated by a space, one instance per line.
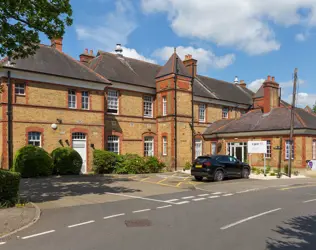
x=269 y=78
x=273 y=78
x=86 y=51
x=91 y=52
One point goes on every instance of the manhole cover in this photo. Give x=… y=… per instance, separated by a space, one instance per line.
x=138 y=223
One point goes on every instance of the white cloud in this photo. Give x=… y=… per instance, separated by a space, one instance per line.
x=300 y=37
x=255 y=85
x=206 y=58
x=289 y=84
x=113 y=28
x=304 y=99
x=245 y=24
x=132 y=53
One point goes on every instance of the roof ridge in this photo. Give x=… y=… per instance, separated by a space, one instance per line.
x=207 y=89
x=112 y=54
x=82 y=65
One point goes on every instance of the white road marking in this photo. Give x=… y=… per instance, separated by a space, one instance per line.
x=182 y=202
x=164 y=206
x=228 y=195
x=39 y=234
x=213 y=197
x=81 y=224
x=172 y=200
x=113 y=216
x=187 y=197
x=143 y=210
x=244 y=191
x=201 y=195
x=199 y=199
x=309 y=201
x=2 y=243
x=217 y=193
x=138 y=197
x=249 y=218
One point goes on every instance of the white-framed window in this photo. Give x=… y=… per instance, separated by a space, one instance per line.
x=149 y=146
x=164 y=146
x=85 y=100
x=269 y=153
x=225 y=113
x=20 y=89
x=72 y=100
x=148 y=106
x=202 y=109
x=314 y=149
x=164 y=105
x=34 y=138
x=113 y=144
x=198 y=147
x=78 y=136
x=213 y=148
x=287 y=149
x=113 y=105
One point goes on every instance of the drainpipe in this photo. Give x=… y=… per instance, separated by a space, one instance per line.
x=9 y=114
x=175 y=118
x=192 y=122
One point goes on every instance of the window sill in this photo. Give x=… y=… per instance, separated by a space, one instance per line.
x=112 y=113
x=20 y=95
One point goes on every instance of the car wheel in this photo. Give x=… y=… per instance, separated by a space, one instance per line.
x=219 y=175
x=245 y=173
x=198 y=178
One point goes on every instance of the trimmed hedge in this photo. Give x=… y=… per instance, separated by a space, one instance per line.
x=66 y=161
x=32 y=161
x=104 y=161
x=9 y=188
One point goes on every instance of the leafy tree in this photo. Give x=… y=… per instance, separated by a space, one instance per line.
x=21 y=21
x=314 y=108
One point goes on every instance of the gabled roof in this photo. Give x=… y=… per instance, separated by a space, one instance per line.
x=277 y=119
x=259 y=93
x=48 y=60
x=127 y=70
x=174 y=66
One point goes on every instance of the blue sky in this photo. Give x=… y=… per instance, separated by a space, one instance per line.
x=250 y=39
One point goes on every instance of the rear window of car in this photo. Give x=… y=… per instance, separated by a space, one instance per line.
x=201 y=160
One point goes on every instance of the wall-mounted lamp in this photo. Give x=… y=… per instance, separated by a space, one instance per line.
x=59 y=121
x=67 y=142
x=92 y=145
x=54 y=126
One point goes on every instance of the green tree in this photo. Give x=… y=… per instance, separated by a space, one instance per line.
x=21 y=21
x=314 y=108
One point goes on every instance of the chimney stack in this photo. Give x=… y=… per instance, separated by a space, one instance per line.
x=242 y=84
x=86 y=57
x=190 y=64
x=57 y=43
x=271 y=97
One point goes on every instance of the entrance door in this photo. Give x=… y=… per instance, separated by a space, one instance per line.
x=238 y=153
x=79 y=144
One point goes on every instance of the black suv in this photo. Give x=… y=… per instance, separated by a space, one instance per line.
x=217 y=167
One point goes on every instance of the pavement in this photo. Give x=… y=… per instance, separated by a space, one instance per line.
x=234 y=214
x=15 y=218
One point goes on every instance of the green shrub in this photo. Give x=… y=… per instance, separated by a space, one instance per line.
x=9 y=188
x=268 y=169
x=131 y=164
x=32 y=161
x=66 y=161
x=254 y=169
x=187 y=166
x=276 y=171
x=104 y=161
x=153 y=165
x=272 y=174
x=258 y=171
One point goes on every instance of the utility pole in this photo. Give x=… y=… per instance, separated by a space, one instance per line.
x=175 y=114
x=292 y=123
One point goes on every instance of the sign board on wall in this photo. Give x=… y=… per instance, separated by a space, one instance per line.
x=257 y=147
x=312 y=165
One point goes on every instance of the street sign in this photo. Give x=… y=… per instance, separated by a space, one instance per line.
x=257 y=147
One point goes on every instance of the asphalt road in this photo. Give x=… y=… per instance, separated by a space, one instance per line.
x=280 y=217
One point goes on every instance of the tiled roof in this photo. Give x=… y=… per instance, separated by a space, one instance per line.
x=259 y=93
x=50 y=61
x=136 y=72
x=277 y=119
x=173 y=67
